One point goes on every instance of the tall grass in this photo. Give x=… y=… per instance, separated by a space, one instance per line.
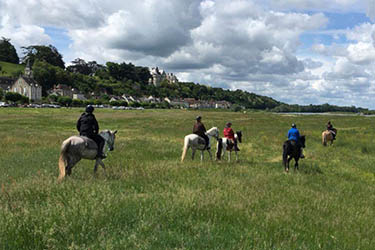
x=148 y=200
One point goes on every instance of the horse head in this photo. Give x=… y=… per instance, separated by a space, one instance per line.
x=214 y=132
x=302 y=139
x=239 y=136
x=109 y=138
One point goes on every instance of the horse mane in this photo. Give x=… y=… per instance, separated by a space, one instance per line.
x=213 y=128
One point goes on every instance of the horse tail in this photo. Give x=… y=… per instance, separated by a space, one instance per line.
x=219 y=148
x=186 y=147
x=324 y=138
x=63 y=160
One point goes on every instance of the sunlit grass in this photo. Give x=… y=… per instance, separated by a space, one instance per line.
x=149 y=200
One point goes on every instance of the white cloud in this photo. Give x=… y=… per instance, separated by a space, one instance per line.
x=248 y=44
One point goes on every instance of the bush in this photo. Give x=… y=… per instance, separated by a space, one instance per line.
x=77 y=103
x=236 y=108
x=64 y=101
x=13 y=97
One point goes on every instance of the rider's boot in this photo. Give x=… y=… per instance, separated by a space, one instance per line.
x=100 y=151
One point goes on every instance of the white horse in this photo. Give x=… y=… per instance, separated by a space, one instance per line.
x=76 y=148
x=196 y=142
x=222 y=146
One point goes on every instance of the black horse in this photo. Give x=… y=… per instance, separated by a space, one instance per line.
x=293 y=151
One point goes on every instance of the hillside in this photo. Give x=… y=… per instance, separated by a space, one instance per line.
x=10 y=69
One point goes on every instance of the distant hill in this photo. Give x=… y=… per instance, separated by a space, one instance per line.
x=10 y=69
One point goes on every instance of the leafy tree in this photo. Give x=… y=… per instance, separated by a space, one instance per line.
x=83 y=67
x=7 y=51
x=48 y=75
x=48 y=54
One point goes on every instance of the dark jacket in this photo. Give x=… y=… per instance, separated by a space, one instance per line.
x=199 y=129
x=87 y=125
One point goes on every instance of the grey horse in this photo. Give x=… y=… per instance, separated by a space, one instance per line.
x=76 y=148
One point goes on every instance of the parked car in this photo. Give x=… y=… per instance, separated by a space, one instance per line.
x=3 y=104
x=34 y=105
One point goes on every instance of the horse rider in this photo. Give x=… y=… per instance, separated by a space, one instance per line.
x=87 y=125
x=331 y=129
x=293 y=137
x=200 y=130
x=229 y=134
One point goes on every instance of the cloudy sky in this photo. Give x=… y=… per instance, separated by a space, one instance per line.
x=296 y=51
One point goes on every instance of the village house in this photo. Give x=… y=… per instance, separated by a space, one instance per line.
x=79 y=96
x=62 y=90
x=27 y=86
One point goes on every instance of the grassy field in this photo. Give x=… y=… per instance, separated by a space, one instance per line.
x=149 y=200
x=8 y=68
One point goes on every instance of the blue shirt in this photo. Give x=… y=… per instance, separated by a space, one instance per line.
x=293 y=134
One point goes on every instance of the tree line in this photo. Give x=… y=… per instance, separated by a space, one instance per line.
x=102 y=81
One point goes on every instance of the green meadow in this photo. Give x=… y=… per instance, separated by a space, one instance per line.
x=149 y=200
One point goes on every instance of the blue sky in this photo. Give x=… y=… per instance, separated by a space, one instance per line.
x=305 y=52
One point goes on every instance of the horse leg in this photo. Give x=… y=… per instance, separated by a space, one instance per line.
x=235 y=151
x=192 y=153
x=202 y=155
x=71 y=163
x=99 y=162
x=295 y=164
x=209 y=153
x=229 y=155
x=287 y=164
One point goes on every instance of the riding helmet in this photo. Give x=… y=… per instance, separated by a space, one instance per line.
x=294 y=125
x=89 y=109
x=228 y=124
x=198 y=118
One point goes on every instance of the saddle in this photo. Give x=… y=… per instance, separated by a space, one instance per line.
x=89 y=143
x=201 y=141
x=230 y=144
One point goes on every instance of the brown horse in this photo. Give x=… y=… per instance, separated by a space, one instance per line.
x=328 y=136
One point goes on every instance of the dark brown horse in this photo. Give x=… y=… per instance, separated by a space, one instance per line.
x=291 y=150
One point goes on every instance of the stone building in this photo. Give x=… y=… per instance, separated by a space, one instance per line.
x=27 y=86
x=62 y=90
x=159 y=76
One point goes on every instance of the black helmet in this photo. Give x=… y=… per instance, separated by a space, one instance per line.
x=228 y=124
x=294 y=125
x=198 y=118
x=89 y=109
